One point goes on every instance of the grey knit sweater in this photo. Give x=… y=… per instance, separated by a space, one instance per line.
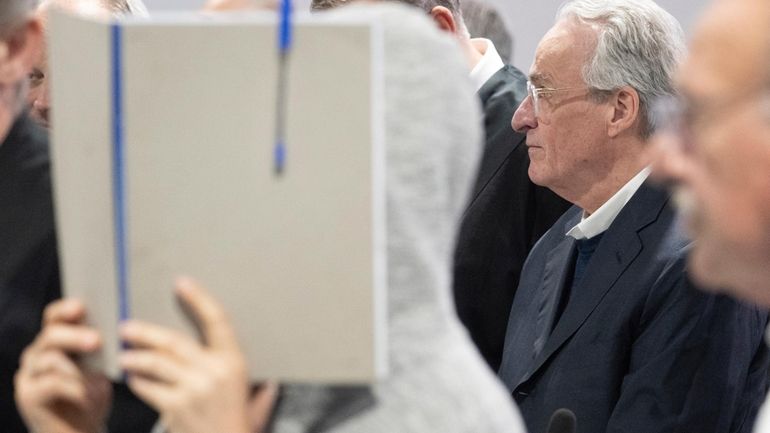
x=437 y=381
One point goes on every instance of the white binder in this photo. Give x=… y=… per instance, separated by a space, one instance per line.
x=163 y=139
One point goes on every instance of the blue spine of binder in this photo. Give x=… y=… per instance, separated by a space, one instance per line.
x=119 y=174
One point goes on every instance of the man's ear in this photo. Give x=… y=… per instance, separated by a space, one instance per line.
x=625 y=105
x=18 y=51
x=444 y=19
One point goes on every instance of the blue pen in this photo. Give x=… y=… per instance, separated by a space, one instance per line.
x=284 y=45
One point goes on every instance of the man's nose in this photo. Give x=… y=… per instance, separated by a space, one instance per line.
x=42 y=102
x=43 y=98
x=524 y=118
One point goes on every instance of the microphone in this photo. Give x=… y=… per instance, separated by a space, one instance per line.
x=562 y=421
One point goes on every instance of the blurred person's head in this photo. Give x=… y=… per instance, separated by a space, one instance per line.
x=446 y=14
x=588 y=113
x=718 y=147
x=20 y=37
x=484 y=21
x=39 y=98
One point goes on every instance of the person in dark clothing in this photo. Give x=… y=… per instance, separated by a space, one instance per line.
x=29 y=273
x=28 y=263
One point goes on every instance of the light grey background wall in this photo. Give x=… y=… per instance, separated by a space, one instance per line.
x=528 y=20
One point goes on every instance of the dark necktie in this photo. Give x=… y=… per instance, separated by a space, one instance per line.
x=585 y=249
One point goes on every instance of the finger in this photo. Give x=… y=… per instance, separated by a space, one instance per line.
x=51 y=388
x=98 y=386
x=64 y=310
x=216 y=328
x=73 y=339
x=260 y=406
x=151 y=364
x=142 y=335
x=157 y=394
x=51 y=362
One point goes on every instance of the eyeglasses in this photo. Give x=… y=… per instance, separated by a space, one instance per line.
x=680 y=117
x=537 y=95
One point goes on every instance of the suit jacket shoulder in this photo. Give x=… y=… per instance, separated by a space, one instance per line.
x=638 y=347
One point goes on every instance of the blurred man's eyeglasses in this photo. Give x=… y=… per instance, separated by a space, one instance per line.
x=680 y=116
x=538 y=94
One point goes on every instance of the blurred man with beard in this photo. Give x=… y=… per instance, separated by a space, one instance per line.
x=716 y=149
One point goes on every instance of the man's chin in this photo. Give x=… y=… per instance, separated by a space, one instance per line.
x=536 y=176
x=713 y=270
x=704 y=272
x=688 y=208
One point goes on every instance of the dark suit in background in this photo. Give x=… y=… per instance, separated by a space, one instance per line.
x=506 y=215
x=29 y=273
x=29 y=277
x=637 y=349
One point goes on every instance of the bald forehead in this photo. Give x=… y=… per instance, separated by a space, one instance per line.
x=730 y=47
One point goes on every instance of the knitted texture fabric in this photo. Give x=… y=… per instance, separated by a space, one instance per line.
x=437 y=381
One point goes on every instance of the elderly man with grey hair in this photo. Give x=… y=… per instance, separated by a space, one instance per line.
x=606 y=322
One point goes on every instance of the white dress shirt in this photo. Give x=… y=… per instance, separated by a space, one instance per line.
x=599 y=221
x=489 y=65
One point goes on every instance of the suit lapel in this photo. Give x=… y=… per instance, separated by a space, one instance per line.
x=619 y=247
x=557 y=267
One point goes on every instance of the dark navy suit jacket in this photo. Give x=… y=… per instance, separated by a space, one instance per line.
x=638 y=349
x=506 y=215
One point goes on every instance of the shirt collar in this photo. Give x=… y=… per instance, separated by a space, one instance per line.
x=599 y=221
x=489 y=64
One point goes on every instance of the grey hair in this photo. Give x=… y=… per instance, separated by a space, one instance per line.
x=13 y=13
x=639 y=45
